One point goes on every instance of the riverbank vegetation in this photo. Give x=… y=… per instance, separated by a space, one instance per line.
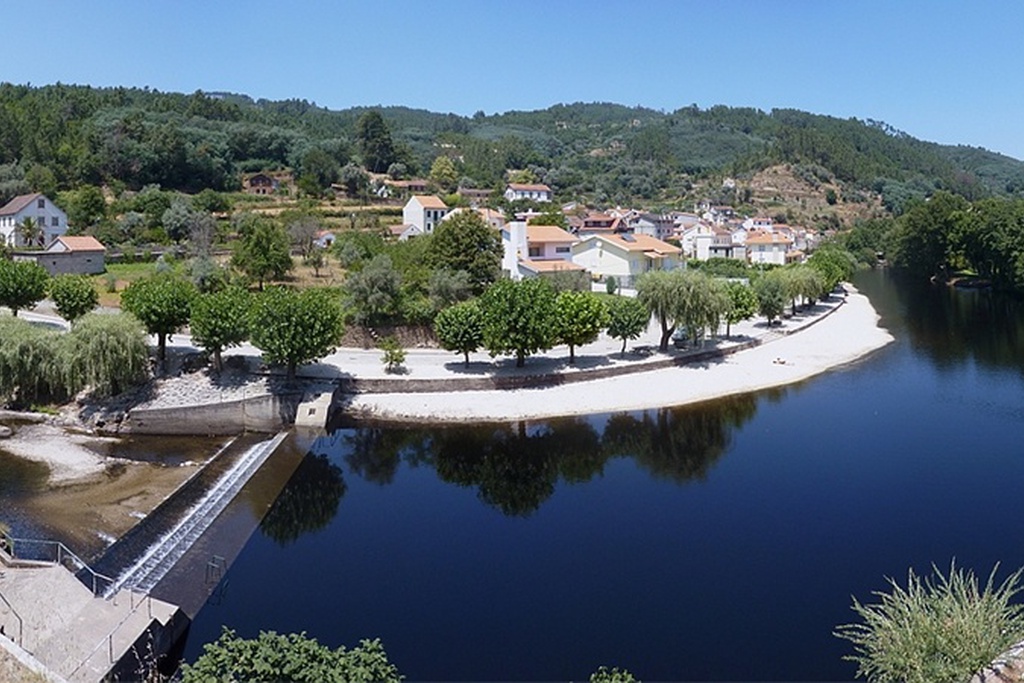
x=937 y=629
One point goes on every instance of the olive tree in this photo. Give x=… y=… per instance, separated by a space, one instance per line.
x=292 y=327
x=162 y=304
x=73 y=296
x=22 y=284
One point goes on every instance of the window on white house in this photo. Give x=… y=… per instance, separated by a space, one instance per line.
x=562 y=250
x=534 y=252
x=41 y=203
x=54 y=221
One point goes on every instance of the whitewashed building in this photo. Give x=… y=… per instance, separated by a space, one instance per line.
x=536 y=192
x=50 y=221
x=424 y=211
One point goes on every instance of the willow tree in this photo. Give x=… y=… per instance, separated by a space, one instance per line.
x=28 y=364
x=658 y=291
x=106 y=352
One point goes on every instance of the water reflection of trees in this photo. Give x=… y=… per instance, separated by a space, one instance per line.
x=308 y=502
x=950 y=325
x=515 y=468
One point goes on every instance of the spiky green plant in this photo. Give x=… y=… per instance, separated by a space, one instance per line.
x=937 y=629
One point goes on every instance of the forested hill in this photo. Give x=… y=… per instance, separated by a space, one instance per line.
x=64 y=136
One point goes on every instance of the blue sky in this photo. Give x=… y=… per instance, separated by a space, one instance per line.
x=949 y=72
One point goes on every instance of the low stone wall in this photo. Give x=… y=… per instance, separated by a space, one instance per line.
x=1007 y=667
x=506 y=382
x=261 y=413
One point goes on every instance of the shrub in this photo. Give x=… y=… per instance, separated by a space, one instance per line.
x=938 y=629
x=394 y=354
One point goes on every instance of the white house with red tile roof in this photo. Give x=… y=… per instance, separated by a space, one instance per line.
x=768 y=247
x=537 y=192
x=50 y=221
x=424 y=211
x=625 y=255
x=537 y=248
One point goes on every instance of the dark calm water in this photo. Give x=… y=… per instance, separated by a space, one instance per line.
x=720 y=542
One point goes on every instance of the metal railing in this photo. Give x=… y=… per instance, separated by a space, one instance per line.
x=108 y=639
x=55 y=552
x=21 y=622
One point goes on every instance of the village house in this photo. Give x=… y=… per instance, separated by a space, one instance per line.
x=493 y=218
x=531 y=250
x=424 y=211
x=718 y=242
x=658 y=226
x=404 y=231
x=600 y=224
x=48 y=222
x=769 y=247
x=81 y=255
x=625 y=256
x=536 y=192
x=261 y=183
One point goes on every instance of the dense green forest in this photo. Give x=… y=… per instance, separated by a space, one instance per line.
x=60 y=137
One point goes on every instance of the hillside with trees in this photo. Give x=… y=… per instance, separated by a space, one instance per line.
x=63 y=137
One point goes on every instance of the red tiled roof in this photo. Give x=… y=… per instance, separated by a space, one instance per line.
x=81 y=243
x=429 y=201
x=524 y=187
x=548 y=233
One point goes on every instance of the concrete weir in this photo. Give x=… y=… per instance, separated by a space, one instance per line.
x=112 y=621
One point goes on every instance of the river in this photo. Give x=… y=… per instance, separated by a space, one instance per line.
x=716 y=542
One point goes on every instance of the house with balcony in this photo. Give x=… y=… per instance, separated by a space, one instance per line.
x=535 y=192
x=533 y=250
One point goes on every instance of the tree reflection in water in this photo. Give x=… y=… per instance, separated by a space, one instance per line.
x=515 y=468
x=308 y=502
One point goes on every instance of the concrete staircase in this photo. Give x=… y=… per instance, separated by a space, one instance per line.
x=78 y=637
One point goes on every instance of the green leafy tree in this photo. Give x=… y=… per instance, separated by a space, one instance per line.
x=375 y=144
x=354 y=179
x=220 y=320
x=73 y=296
x=375 y=290
x=834 y=264
x=937 y=629
x=742 y=304
x=460 y=328
x=106 y=352
x=627 y=319
x=262 y=251
x=320 y=168
x=162 y=304
x=394 y=354
x=580 y=317
x=466 y=242
x=519 y=318
x=658 y=290
x=85 y=207
x=41 y=179
x=771 y=295
x=293 y=328
x=444 y=174
x=272 y=658
x=22 y=284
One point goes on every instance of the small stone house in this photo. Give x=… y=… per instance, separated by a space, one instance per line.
x=69 y=255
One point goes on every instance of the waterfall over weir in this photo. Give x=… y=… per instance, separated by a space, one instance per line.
x=160 y=558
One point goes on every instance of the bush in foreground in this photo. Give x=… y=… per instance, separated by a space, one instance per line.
x=293 y=657
x=938 y=629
